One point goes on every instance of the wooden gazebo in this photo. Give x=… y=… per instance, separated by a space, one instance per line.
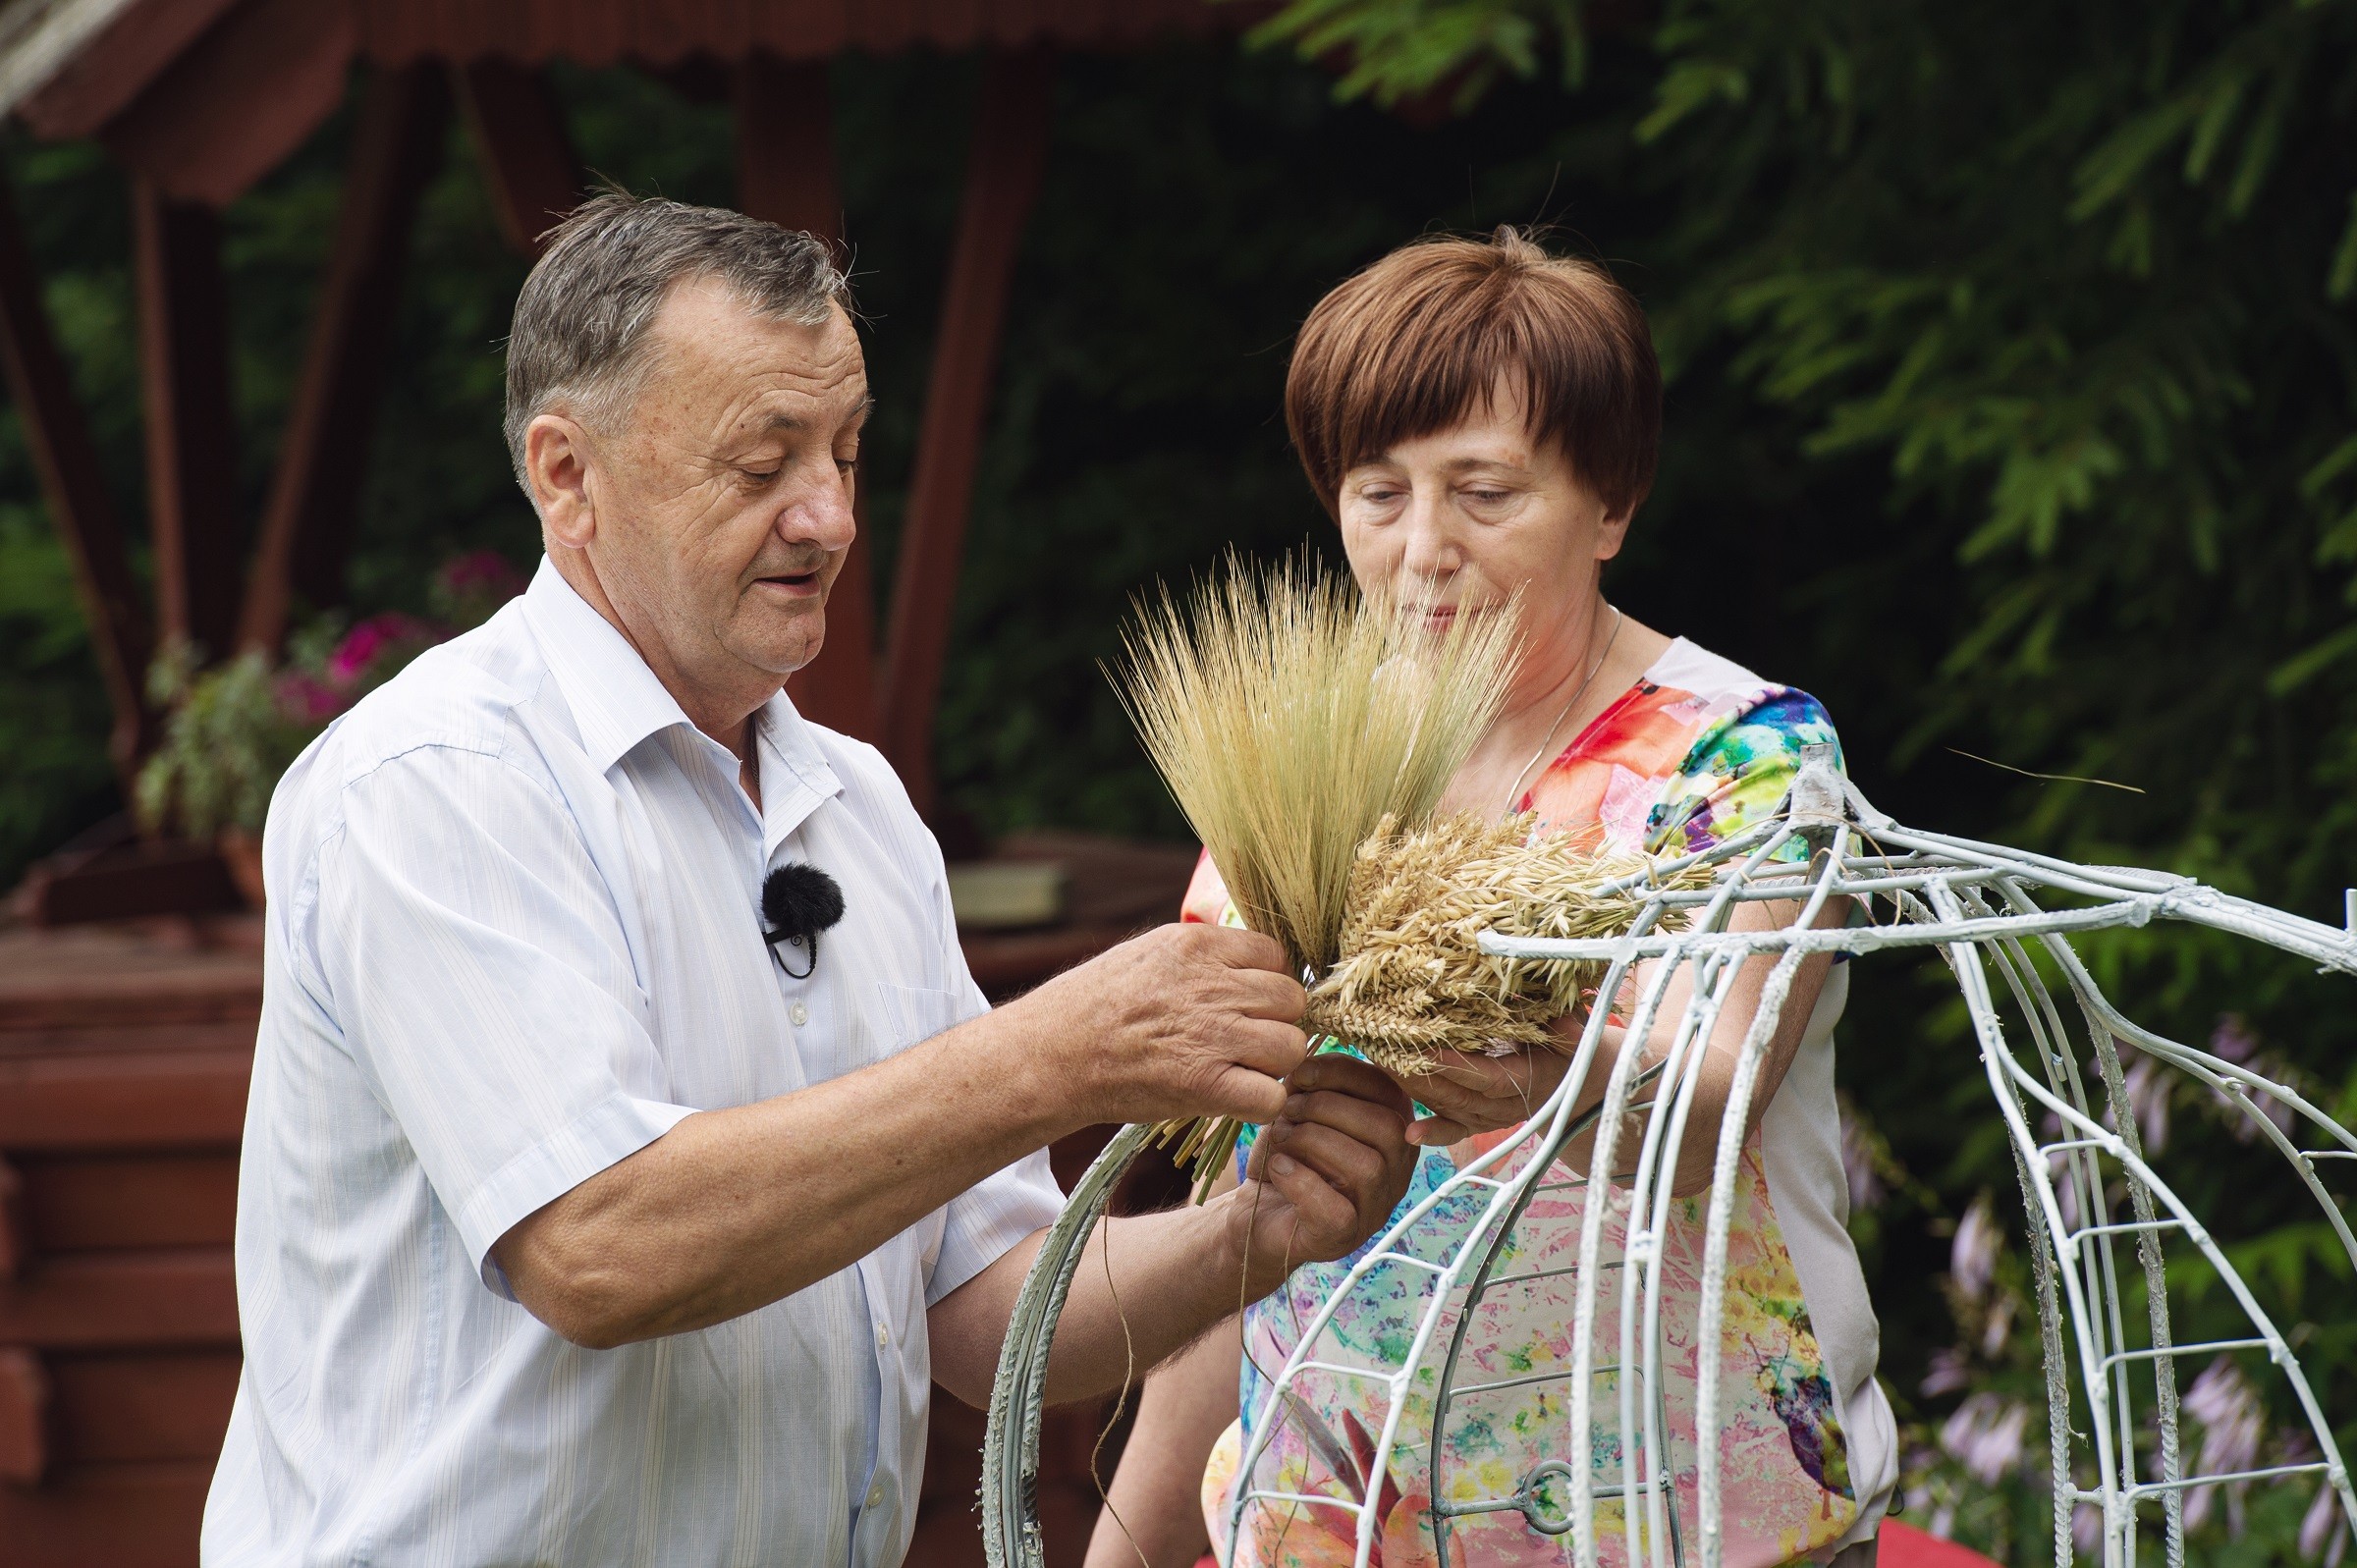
x=124 y=1049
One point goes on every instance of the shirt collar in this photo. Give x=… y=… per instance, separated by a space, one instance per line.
x=614 y=698
x=795 y=775
x=616 y=702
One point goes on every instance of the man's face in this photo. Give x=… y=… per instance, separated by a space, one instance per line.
x=722 y=504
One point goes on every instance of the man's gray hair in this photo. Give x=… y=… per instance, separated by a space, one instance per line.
x=580 y=335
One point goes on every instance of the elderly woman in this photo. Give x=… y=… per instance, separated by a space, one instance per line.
x=1481 y=419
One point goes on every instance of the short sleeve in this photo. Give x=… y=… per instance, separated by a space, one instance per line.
x=982 y=1224
x=1737 y=772
x=474 y=961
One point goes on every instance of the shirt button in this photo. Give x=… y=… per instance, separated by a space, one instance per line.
x=883 y=1337
x=798 y=1014
x=875 y=1496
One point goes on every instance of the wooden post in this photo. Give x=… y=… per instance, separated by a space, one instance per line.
x=786 y=174
x=191 y=431
x=306 y=525
x=1002 y=181
x=786 y=146
x=71 y=483
x=527 y=157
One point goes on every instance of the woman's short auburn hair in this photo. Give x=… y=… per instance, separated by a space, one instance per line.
x=1418 y=340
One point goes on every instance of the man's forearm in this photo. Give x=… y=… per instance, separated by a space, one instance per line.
x=734 y=1209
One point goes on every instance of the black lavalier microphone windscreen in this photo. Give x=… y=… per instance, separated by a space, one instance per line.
x=800 y=900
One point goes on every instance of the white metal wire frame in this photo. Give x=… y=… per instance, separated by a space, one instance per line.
x=2083 y=1174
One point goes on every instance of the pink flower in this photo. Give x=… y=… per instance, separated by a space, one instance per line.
x=2087 y=1529
x=2233 y=1039
x=371 y=640
x=470 y=588
x=2148 y=1087
x=1985 y=1435
x=479 y=572
x=1857 y=1162
x=2324 y=1524
x=1972 y=1257
x=1950 y=1371
x=2222 y=1400
x=306 y=699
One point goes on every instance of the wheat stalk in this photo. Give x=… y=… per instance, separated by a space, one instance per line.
x=1293 y=720
x=1411 y=983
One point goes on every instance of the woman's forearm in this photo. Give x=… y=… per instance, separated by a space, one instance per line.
x=1714 y=1070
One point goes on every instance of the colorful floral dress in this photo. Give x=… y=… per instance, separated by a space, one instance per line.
x=1697 y=750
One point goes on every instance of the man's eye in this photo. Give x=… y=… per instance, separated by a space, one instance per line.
x=760 y=476
x=1488 y=497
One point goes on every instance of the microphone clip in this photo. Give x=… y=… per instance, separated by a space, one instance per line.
x=798 y=901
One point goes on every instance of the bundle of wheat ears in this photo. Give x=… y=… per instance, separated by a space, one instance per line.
x=1308 y=735
x=1411 y=983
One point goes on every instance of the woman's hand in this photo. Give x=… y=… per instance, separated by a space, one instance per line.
x=1328 y=1172
x=1482 y=1093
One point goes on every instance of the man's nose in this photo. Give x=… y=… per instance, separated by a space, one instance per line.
x=821 y=515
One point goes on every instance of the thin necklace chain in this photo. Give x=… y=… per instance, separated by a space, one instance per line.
x=1516 y=793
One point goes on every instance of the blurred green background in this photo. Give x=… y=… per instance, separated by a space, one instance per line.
x=2012 y=410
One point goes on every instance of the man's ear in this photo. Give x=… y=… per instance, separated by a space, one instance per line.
x=556 y=465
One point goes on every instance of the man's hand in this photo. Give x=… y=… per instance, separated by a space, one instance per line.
x=1185 y=1020
x=1328 y=1172
x=1324 y=1178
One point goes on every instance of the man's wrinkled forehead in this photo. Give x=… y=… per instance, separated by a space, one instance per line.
x=708 y=346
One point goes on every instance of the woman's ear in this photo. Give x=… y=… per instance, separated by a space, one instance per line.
x=556 y=465
x=1611 y=531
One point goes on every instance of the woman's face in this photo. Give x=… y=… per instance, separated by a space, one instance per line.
x=1460 y=519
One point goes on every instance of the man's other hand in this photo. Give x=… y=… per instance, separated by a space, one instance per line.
x=1185 y=1020
x=1328 y=1172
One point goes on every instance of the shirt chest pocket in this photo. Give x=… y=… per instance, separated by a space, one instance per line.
x=906 y=1015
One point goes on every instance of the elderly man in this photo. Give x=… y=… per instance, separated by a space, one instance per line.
x=576 y=1227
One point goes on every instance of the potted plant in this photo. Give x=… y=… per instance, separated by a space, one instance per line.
x=231 y=729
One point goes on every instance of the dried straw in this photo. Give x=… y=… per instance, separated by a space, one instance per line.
x=1293 y=720
x=1411 y=983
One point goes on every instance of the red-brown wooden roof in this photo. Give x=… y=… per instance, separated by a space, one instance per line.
x=71 y=67
x=603 y=31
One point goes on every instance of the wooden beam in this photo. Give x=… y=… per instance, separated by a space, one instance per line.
x=1002 y=181
x=306 y=525
x=786 y=174
x=24 y=1417
x=786 y=146
x=114 y=65
x=192 y=432
x=519 y=138
x=74 y=488
x=231 y=107
x=124 y=1101
x=107 y=1300
x=16 y=1233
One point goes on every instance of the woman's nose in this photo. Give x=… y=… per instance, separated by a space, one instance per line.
x=1430 y=550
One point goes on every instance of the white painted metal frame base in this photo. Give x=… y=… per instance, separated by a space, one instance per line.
x=2088 y=1186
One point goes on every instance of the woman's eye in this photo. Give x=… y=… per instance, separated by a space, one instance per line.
x=1488 y=497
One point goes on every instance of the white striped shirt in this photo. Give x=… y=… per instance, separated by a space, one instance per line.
x=514 y=938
